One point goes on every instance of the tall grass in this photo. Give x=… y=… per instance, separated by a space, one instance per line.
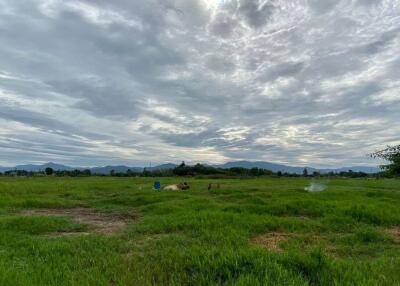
x=201 y=237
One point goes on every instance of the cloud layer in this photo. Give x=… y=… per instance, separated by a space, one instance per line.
x=105 y=82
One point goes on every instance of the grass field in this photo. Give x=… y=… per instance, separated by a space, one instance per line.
x=247 y=232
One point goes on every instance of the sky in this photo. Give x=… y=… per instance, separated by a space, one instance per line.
x=299 y=82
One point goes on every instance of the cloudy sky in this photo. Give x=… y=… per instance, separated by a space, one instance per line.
x=96 y=82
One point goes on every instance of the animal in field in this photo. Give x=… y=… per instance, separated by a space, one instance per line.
x=177 y=187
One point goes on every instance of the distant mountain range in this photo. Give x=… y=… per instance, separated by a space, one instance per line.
x=294 y=170
x=36 y=168
x=95 y=170
x=243 y=164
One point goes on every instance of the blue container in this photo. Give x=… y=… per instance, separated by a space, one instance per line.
x=157 y=185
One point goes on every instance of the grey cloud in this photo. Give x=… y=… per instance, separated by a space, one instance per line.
x=27 y=116
x=257 y=13
x=220 y=64
x=223 y=26
x=306 y=80
x=379 y=44
x=333 y=65
x=188 y=139
x=44 y=122
x=99 y=97
x=282 y=70
x=323 y=6
x=369 y=2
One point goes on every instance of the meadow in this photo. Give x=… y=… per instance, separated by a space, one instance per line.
x=265 y=231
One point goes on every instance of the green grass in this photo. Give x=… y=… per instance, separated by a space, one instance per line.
x=201 y=237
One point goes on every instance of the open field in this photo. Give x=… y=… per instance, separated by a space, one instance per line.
x=118 y=231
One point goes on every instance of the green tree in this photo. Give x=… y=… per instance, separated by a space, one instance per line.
x=49 y=171
x=392 y=155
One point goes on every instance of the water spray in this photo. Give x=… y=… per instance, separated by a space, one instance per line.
x=315 y=187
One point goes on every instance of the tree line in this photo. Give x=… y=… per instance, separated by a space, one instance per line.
x=184 y=170
x=391 y=154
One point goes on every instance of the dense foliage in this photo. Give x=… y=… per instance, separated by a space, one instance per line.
x=392 y=155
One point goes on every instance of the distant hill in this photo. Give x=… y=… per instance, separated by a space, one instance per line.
x=295 y=170
x=95 y=170
x=167 y=166
x=242 y=164
x=265 y=165
x=364 y=169
x=37 y=168
x=4 y=169
x=117 y=169
x=124 y=169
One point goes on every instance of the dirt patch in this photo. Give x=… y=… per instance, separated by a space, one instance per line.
x=99 y=222
x=394 y=232
x=271 y=241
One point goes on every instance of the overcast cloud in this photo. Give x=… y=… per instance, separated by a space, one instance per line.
x=95 y=82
